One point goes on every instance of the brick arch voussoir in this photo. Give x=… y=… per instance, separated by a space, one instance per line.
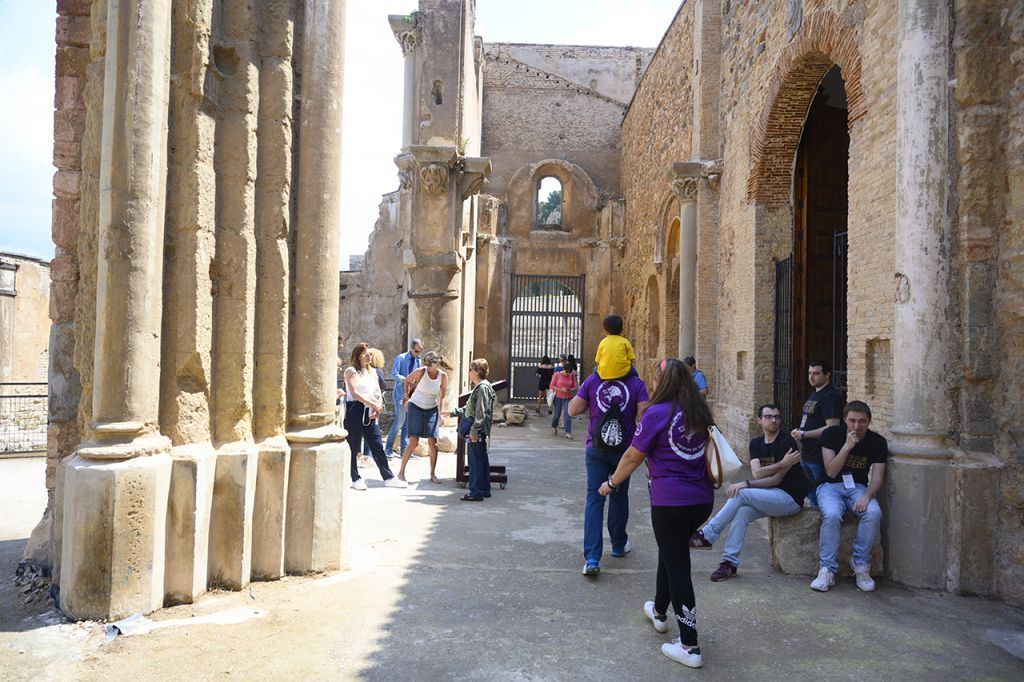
x=824 y=39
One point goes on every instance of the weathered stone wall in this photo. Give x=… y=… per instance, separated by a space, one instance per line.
x=988 y=49
x=373 y=306
x=772 y=57
x=656 y=131
x=566 y=102
x=24 y=322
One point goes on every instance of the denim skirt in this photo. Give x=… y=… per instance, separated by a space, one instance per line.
x=421 y=423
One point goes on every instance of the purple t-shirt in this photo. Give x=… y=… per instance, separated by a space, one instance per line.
x=675 y=459
x=601 y=395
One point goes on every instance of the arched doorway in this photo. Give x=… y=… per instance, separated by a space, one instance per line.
x=811 y=305
x=546 y=319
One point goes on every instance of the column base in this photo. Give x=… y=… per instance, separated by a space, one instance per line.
x=917 y=520
x=112 y=553
x=234 y=488
x=318 y=480
x=974 y=491
x=794 y=544
x=270 y=509
x=188 y=522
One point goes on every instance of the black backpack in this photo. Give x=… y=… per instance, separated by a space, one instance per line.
x=610 y=434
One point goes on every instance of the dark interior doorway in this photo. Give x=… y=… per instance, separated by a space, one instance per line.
x=818 y=271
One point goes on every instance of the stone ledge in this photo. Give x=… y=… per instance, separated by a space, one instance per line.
x=794 y=544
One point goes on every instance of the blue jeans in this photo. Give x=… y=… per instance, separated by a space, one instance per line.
x=398 y=425
x=479 y=468
x=815 y=472
x=749 y=505
x=835 y=499
x=600 y=465
x=561 y=407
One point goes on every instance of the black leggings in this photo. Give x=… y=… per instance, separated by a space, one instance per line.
x=673 y=527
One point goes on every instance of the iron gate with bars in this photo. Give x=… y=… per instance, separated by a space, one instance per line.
x=23 y=417
x=783 y=376
x=546 y=319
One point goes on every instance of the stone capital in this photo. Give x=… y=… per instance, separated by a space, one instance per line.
x=685 y=176
x=713 y=173
x=406 y=30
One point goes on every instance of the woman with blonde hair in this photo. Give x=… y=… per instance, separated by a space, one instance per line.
x=364 y=402
x=425 y=389
x=671 y=437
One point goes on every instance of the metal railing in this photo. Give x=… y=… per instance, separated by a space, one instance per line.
x=23 y=417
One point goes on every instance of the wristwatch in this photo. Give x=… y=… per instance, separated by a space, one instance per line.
x=612 y=485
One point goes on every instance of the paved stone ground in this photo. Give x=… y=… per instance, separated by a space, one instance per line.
x=440 y=589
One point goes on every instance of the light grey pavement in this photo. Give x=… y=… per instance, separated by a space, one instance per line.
x=441 y=589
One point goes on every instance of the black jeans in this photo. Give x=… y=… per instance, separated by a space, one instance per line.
x=673 y=527
x=367 y=435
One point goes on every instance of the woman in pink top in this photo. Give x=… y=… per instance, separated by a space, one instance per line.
x=564 y=385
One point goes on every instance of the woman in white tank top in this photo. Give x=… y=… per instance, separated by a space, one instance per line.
x=425 y=389
x=364 y=403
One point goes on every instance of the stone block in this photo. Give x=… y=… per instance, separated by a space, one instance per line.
x=67 y=155
x=270 y=510
x=68 y=126
x=61 y=441
x=64 y=223
x=73 y=30
x=447 y=439
x=794 y=544
x=72 y=61
x=318 y=476
x=112 y=552
x=974 y=486
x=65 y=383
x=916 y=521
x=65 y=184
x=62 y=301
x=188 y=522
x=76 y=8
x=69 y=93
x=514 y=414
x=234 y=494
x=498 y=416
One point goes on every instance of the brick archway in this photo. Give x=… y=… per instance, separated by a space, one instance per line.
x=824 y=39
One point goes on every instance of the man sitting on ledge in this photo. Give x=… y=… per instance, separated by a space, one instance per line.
x=776 y=488
x=849 y=451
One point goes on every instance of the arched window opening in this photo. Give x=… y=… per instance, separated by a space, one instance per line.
x=549 y=204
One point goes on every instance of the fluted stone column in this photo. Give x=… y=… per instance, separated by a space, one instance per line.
x=439 y=180
x=115 y=488
x=918 y=485
x=319 y=468
x=685 y=177
x=406 y=30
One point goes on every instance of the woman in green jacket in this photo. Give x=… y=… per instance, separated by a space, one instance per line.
x=475 y=427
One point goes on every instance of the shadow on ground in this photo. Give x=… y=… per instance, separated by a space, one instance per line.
x=439 y=589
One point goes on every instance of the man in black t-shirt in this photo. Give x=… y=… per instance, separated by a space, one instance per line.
x=854 y=457
x=821 y=410
x=776 y=488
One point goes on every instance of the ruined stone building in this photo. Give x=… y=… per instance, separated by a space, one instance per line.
x=24 y=319
x=777 y=182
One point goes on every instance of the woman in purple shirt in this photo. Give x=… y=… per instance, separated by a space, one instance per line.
x=671 y=436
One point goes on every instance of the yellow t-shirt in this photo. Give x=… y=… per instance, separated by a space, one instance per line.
x=614 y=357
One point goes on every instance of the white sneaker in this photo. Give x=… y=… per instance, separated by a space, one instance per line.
x=660 y=624
x=865 y=583
x=359 y=484
x=395 y=482
x=691 y=658
x=825 y=580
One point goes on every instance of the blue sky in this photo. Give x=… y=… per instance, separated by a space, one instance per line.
x=373 y=96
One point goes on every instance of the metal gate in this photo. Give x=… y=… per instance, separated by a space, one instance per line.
x=839 y=248
x=546 y=319
x=23 y=417
x=783 y=377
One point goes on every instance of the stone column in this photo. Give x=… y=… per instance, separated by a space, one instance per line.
x=439 y=180
x=918 y=473
x=318 y=471
x=685 y=177
x=115 y=488
x=406 y=30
